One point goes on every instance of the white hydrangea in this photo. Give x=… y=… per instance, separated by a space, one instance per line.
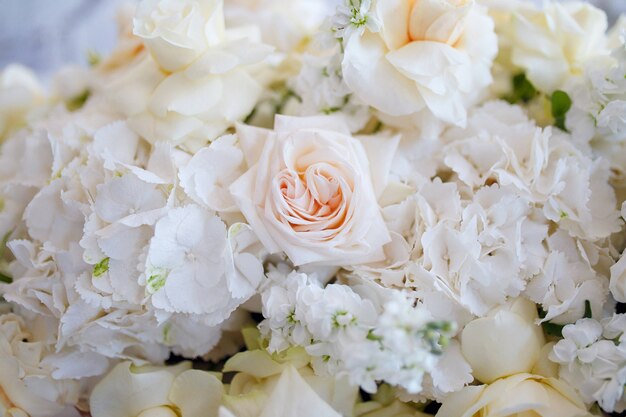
x=598 y=104
x=501 y=144
x=471 y=250
x=569 y=279
x=100 y=200
x=592 y=358
x=191 y=268
x=386 y=339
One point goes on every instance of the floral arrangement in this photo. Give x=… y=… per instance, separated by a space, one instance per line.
x=320 y=208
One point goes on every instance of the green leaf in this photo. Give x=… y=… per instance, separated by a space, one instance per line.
x=553 y=329
x=5 y=278
x=550 y=328
x=101 y=268
x=588 y=312
x=76 y=103
x=561 y=104
x=523 y=90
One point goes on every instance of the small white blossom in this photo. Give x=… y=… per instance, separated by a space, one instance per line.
x=592 y=355
x=348 y=334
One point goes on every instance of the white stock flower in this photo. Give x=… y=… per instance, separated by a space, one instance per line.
x=311 y=190
x=349 y=334
x=174 y=391
x=592 y=356
x=321 y=89
x=423 y=55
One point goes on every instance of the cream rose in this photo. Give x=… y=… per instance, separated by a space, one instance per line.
x=433 y=54
x=518 y=395
x=506 y=342
x=177 y=32
x=28 y=386
x=196 y=82
x=283 y=386
x=174 y=391
x=555 y=42
x=20 y=91
x=310 y=190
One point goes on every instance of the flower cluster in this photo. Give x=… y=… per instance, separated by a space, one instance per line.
x=592 y=358
x=348 y=334
x=279 y=208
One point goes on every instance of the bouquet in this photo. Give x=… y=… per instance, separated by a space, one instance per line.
x=320 y=208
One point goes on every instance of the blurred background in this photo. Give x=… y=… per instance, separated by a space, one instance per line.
x=46 y=34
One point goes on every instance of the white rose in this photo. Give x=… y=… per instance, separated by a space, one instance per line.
x=175 y=391
x=517 y=395
x=177 y=32
x=309 y=191
x=283 y=386
x=506 y=342
x=27 y=384
x=556 y=42
x=20 y=91
x=433 y=54
x=208 y=85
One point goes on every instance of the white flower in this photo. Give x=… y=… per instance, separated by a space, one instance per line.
x=285 y=24
x=596 y=119
x=20 y=92
x=501 y=144
x=310 y=191
x=321 y=89
x=25 y=166
x=284 y=324
x=506 y=342
x=348 y=333
x=129 y=391
x=29 y=384
x=592 y=356
x=477 y=252
x=207 y=86
x=556 y=42
x=210 y=172
x=283 y=386
x=178 y=32
x=617 y=284
x=433 y=55
x=541 y=396
x=568 y=280
x=191 y=267
x=354 y=16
